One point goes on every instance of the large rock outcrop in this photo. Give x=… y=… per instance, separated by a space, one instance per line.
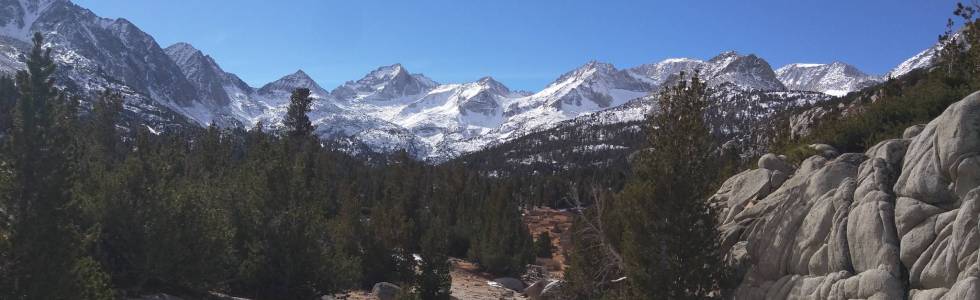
x=898 y=221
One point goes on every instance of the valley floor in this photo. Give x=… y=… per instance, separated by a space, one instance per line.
x=469 y=283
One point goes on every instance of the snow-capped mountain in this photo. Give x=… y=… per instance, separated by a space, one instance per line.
x=334 y=120
x=385 y=83
x=226 y=97
x=659 y=73
x=588 y=89
x=836 y=78
x=278 y=92
x=388 y=109
x=926 y=58
x=746 y=71
x=95 y=54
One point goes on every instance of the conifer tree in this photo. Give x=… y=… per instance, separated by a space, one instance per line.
x=297 y=122
x=45 y=241
x=433 y=280
x=503 y=244
x=670 y=244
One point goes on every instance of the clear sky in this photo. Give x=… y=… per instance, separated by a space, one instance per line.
x=527 y=43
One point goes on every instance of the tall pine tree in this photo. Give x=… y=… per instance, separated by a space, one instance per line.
x=46 y=246
x=670 y=241
x=297 y=122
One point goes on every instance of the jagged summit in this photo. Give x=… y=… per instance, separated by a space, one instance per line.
x=183 y=52
x=288 y=83
x=748 y=71
x=730 y=54
x=745 y=71
x=300 y=74
x=493 y=85
x=384 y=83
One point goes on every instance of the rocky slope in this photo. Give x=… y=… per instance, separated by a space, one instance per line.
x=95 y=54
x=898 y=221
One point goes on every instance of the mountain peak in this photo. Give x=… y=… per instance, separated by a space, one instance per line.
x=386 y=72
x=182 y=46
x=288 y=83
x=487 y=80
x=747 y=71
x=726 y=55
x=494 y=85
x=386 y=82
x=300 y=74
x=181 y=52
x=589 y=69
x=837 y=78
x=598 y=65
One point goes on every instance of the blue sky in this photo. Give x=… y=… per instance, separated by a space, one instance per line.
x=527 y=44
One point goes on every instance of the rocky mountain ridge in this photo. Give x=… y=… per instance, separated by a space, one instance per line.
x=388 y=109
x=835 y=79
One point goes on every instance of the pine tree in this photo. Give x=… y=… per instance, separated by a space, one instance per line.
x=297 y=122
x=100 y=150
x=433 y=280
x=670 y=244
x=46 y=244
x=503 y=244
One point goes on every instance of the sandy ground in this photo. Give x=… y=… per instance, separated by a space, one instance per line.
x=469 y=283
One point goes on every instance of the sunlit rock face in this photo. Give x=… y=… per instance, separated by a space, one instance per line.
x=858 y=225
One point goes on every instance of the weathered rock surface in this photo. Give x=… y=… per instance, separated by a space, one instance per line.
x=898 y=221
x=913 y=131
x=776 y=163
x=385 y=291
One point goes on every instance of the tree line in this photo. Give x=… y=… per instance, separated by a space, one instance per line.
x=95 y=207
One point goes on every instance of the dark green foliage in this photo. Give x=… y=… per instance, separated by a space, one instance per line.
x=542 y=246
x=87 y=206
x=503 y=244
x=659 y=232
x=8 y=100
x=433 y=281
x=670 y=241
x=45 y=258
x=297 y=122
